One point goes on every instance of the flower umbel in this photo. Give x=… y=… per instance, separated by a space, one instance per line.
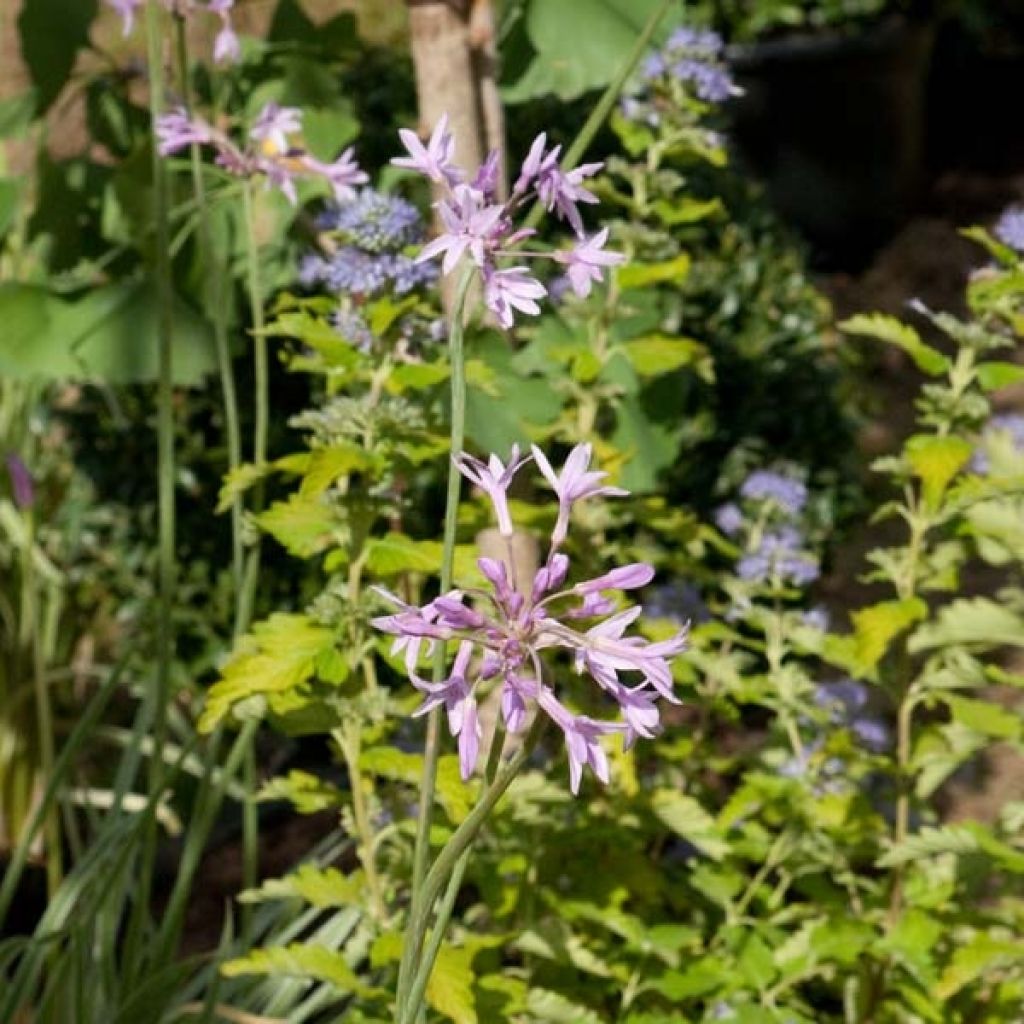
x=503 y=643
x=270 y=152
x=480 y=228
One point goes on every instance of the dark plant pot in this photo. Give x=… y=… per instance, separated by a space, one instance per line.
x=835 y=127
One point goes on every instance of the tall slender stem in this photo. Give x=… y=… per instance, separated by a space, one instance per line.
x=457 y=359
x=159 y=697
x=246 y=598
x=219 y=293
x=446 y=863
x=44 y=713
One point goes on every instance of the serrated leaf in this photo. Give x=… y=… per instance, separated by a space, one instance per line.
x=397 y=553
x=977 y=621
x=279 y=654
x=320 y=887
x=303 y=526
x=450 y=988
x=974 y=960
x=930 y=841
x=656 y=354
x=936 y=460
x=308 y=793
x=877 y=626
x=985 y=717
x=686 y=818
x=237 y=481
x=894 y=332
x=417 y=376
x=299 y=960
x=641 y=275
x=995 y=375
x=327 y=465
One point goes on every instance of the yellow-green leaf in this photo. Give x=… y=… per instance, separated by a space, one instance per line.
x=876 y=627
x=661 y=353
x=450 y=988
x=302 y=525
x=936 y=460
x=320 y=887
x=417 y=376
x=685 y=816
x=326 y=465
x=298 y=961
x=640 y=275
x=396 y=553
x=894 y=332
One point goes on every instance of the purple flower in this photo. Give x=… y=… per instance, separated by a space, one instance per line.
x=504 y=636
x=787 y=492
x=512 y=288
x=493 y=477
x=471 y=224
x=435 y=160
x=695 y=40
x=273 y=125
x=21 y=482
x=126 y=10
x=478 y=227
x=576 y=482
x=176 y=130
x=585 y=260
x=872 y=734
x=341 y=174
x=1009 y=228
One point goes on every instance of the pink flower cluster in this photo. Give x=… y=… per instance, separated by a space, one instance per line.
x=226 y=46
x=269 y=153
x=479 y=227
x=501 y=638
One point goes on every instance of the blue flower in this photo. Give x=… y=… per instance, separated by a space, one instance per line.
x=779 y=555
x=872 y=734
x=787 y=492
x=697 y=40
x=353 y=328
x=1009 y=228
x=678 y=602
x=729 y=519
x=843 y=697
x=1011 y=423
x=815 y=618
x=374 y=221
x=712 y=82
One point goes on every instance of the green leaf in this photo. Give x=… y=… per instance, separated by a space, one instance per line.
x=877 y=626
x=894 y=332
x=298 y=960
x=685 y=210
x=640 y=275
x=320 y=887
x=931 y=841
x=417 y=376
x=977 y=621
x=450 y=988
x=996 y=375
x=685 y=816
x=983 y=716
x=10 y=197
x=304 y=526
x=698 y=979
x=16 y=113
x=650 y=447
x=936 y=460
x=577 y=46
x=309 y=793
x=327 y=465
x=396 y=553
x=553 y=1008
x=52 y=32
x=656 y=354
x=976 y=960
x=237 y=481
x=279 y=654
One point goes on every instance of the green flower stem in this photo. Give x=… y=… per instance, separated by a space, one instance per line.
x=457 y=359
x=247 y=596
x=604 y=105
x=446 y=864
x=32 y=627
x=219 y=293
x=444 y=911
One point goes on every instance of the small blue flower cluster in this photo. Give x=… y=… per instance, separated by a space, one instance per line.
x=372 y=230
x=353 y=328
x=846 y=701
x=777 y=547
x=675 y=602
x=374 y=221
x=1009 y=228
x=692 y=56
x=1011 y=423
